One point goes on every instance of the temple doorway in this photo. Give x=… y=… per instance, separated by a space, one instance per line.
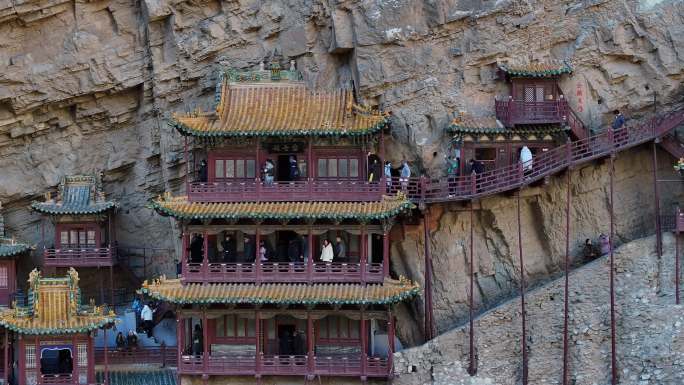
x=56 y=361
x=283 y=168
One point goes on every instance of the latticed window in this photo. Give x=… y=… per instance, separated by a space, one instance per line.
x=4 y=276
x=234 y=168
x=30 y=356
x=82 y=355
x=338 y=167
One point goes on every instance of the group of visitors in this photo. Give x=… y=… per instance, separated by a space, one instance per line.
x=591 y=252
x=144 y=316
x=292 y=343
x=127 y=343
x=403 y=172
x=336 y=253
x=268 y=170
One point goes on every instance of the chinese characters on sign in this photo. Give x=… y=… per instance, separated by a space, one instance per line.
x=580 y=97
x=286 y=147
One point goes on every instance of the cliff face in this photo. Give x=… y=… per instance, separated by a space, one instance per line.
x=86 y=86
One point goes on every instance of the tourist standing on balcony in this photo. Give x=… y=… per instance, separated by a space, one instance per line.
x=526 y=159
x=327 y=254
x=340 y=250
x=304 y=248
x=618 y=120
x=229 y=249
x=248 y=252
x=268 y=172
x=374 y=169
x=388 y=175
x=294 y=168
x=120 y=342
x=476 y=166
x=294 y=252
x=203 y=171
x=196 y=247
x=404 y=175
x=197 y=341
x=147 y=315
x=132 y=340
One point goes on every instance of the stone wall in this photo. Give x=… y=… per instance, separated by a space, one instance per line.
x=650 y=344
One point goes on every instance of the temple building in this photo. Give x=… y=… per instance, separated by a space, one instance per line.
x=285 y=235
x=10 y=251
x=84 y=235
x=535 y=114
x=52 y=334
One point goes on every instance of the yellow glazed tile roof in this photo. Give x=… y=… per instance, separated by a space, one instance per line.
x=54 y=308
x=171 y=290
x=181 y=208
x=280 y=109
x=525 y=68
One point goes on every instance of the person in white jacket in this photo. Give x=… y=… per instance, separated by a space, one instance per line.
x=327 y=253
x=526 y=159
x=147 y=315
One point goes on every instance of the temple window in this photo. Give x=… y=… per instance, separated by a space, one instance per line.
x=30 y=356
x=338 y=167
x=4 y=276
x=234 y=168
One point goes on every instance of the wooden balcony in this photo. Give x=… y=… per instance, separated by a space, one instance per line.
x=283 y=272
x=79 y=257
x=304 y=190
x=247 y=365
x=511 y=112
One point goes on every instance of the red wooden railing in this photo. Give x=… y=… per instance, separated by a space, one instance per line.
x=336 y=365
x=84 y=257
x=57 y=379
x=163 y=356
x=511 y=112
x=304 y=190
x=283 y=272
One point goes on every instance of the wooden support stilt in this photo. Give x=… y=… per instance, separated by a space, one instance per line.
x=566 y=290
x=472 y=368
x=522 y=297
x=656 y=197
x=613 y=352
x=429 y=326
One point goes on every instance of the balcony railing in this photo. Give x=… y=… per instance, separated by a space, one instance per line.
x=79 y=257
x=337 y=365
x=283 y=272
x=511 y=112
x=162 y=356
x=304 y=190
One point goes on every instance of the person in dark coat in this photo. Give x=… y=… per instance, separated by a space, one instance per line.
x=618 y=120
x=294 y=168
x=203 y=171
x=196 y=247
x=248 y=255
x=589 y=252
x=374 y=169
x=340 y=250
x=299 y=343
x=229 y=249
x=120 y=342
x=476 y=166
x=293 y=251
x=285 y=343
x=197 y=341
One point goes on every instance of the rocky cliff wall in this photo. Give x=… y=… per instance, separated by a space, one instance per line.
x=648 y=328
x=87 y=86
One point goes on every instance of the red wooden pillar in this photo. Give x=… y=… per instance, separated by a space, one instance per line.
x=385 y=252
x=390 y=340
x=187 y=166
x=106 y=359
x=257 y=334
x=205 y=344
x=364 y=347
x=364 y=253
x=22 y=360
x=677 y=214
x=36 y=349
x=91 y=359
x=257 y=257
x=309 y=159
x=6 y=363
x=429 y=326
x=185 y=253
x=309 y=256
x=205 y=257
x=310 y=344
x=111 y=284
x=75 y=370
x=180 y=342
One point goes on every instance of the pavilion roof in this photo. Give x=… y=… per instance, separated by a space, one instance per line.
x=172 y=290
x=464 y=124
x=77 y=195
x=54 y=308
x=181 y=208
x=540 y=69
x=259 y=104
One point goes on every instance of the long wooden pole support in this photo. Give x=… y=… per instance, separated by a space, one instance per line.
x=522 y=297
x=613 y=352
x=429 y=322
x=656 y=197
x=472 y=369
x=566 y=291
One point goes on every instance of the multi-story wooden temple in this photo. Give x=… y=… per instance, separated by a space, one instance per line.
x=84 y=235
x=52 y=334
x=535 y=113
x=10 y=251
x=287 y=173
